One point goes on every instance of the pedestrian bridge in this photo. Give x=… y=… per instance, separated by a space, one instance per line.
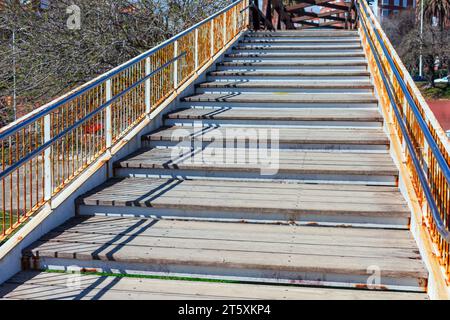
x=302 y=158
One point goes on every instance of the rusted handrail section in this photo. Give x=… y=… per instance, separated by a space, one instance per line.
x=44 y=151
x=426 y=149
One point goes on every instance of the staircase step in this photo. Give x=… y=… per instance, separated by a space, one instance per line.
x=295 y=55
x=304 y=33
x=338 y=257
x=53 y=286
x=249 y=201
x=301 y=47
x=288 y=76
x=266 y=163
x=313 y=64
x=329 y=139
x=309 y=40
x=289 y=85
x=299 y=117
x=293 y=66
x=279 y=86
x=286 y=98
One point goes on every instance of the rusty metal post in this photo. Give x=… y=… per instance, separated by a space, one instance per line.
x=48 y=174
x=148 y=106
x=175 y=65
x=108 y=115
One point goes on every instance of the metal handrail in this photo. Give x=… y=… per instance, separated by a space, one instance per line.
x=46 y=109
x=441 y=228
x=432 y=143
x=42 y=152
x=48 y=143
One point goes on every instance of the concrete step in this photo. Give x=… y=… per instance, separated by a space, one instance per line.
x=267 y=163
x=249 y=201
x=334 y=257
x=281 y=117
x=326 y=139
x=37 y=285
x=217 y=87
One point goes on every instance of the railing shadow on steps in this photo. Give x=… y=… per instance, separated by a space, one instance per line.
x=425 y=149
x=44 y=151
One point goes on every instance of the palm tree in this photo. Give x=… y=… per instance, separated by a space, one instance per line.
x=439 y=9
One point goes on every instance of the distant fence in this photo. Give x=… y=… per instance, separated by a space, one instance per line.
x=44 y=151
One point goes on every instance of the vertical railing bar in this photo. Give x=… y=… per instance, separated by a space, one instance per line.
x=224 y=29
x=212 y=38
x=196 y=49
x=73 y=150
x=175 y=65
x=148 y=105
x=48 y=179
x=108 y=115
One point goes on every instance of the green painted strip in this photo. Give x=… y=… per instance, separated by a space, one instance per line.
x=119 y=275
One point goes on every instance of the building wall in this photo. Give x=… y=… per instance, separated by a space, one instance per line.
x=389 y=7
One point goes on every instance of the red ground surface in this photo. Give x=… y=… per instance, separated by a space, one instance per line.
x=441 y=109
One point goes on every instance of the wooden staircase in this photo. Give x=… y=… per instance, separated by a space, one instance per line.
x=318 y=207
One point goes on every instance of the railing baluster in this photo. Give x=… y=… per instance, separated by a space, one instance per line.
x=148 y=105
x=108 y=115
x=196 y=50
x=48 y=163
x=212 y=38
x=175 y=65
x=74 y=131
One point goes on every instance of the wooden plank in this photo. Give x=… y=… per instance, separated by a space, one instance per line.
x=276 y=73
x=220 y=242
x=286 y=135
x=46 y=286
x=291 y=161
x=305 y=63
x=313 y=114
x=391 y=267
x=299 y=47
x=260 y=232
x=203 y=194
x=285 y=98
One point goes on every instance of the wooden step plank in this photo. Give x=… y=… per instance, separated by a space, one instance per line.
x=294 y=73
x=231 y=253
x=386 y=241
x=295 y=55
x=312 y=114
x=185 y=194
x=284 y=98
x=219 y=243
x=294 y=40
x=51 y=286
x=245 y=160
x=108 y=225
x=297 y=47
x=312 y=64
x=355 y=136
x=291 y=85
x=304 y=33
